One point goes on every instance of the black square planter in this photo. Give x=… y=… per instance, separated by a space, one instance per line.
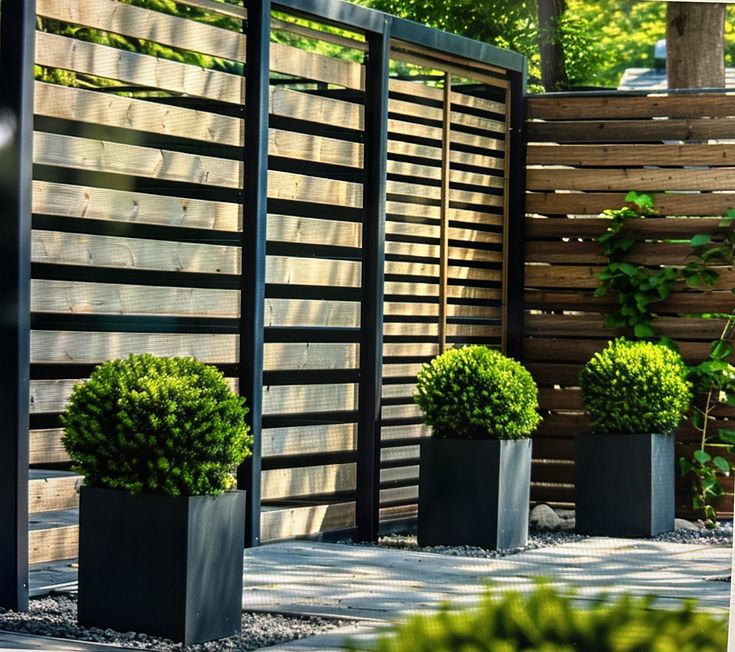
x=474 y=492
x=625 y=484
x=169 y=566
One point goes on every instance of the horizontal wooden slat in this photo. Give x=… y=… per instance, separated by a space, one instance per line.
x=53 y=493
x=583 y=300
x=583 y=276
x=606 y=179
x=278 y=399
x=108 y=298
x=298 y=187
x=313 y=108
x=102 y=109
x=672 y=203
x=309 y=439
x=670 y=106
x=53 y=544
x=715 y=154
x=132 y=253
x=138 y=69
x=306 y=481
x=647 y=228
x=45 y=447
x=104 y=204
x=316 y=67
x=612 y=131
x=304 y=356
x=85 y=347
x=148 y=25
x=291 y=522
x=593 y=325
x=287 y=270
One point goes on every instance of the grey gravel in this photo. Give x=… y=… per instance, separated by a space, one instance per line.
x=721 y=534
x=536 y=539
x=56 y=615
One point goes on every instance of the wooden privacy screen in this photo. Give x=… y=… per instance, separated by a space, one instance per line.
x=446 y=215
x=584 y=155
x=138 y=231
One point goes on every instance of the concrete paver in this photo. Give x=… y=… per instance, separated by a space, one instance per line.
x=381 y=585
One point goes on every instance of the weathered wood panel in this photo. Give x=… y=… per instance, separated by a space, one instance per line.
x=569 y=179
x=141 y=70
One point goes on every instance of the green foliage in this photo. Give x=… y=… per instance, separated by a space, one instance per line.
x=714 y=381
x=477 y=393
x=638 y=288
x=156 y=425
x=635 y=387
x=547 y=621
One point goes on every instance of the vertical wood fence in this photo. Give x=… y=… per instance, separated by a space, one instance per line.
x=585 y=153
x=388 y=211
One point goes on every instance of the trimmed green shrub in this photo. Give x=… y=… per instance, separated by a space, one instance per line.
x=156 y=425
x=546 y=621
x=477 y=393
x=635 y=387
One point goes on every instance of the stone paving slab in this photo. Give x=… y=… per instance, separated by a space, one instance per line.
x=381 y=583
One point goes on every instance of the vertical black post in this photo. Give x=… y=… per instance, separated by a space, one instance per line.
x=516 y=231
x=257 y=72
x=17 y=37
x=373 y=264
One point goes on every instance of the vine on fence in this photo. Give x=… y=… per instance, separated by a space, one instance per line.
x=638 y=288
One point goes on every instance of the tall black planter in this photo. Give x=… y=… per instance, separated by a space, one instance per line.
x=164 y=565
x=474 y=492
x=625 y=484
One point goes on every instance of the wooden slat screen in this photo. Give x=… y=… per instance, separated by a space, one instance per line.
x=313 y=291
x=447 y=151
x=136 y=209
x=584 y=155
x=138 y=229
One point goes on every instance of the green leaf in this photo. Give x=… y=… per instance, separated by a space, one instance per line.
x=720 y=350
x=685 y=465
x=727 y=435
x=628 y=269
x=722 y=464
x=642 y=331
x=700 y=239
x=702 y=456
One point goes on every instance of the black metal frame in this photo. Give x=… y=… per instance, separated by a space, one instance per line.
x=373 y=266
x=16 y=86
x=516 y=236
x=17 y=39
x=254 y=215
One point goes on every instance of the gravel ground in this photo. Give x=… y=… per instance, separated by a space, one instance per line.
x=722 y=534
x=56 y=615
x=535 y=540
x=717 y=535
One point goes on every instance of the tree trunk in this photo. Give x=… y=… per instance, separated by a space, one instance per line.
x=695 y=55
x=553 y=71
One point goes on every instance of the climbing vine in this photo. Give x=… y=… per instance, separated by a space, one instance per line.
x=638 y=288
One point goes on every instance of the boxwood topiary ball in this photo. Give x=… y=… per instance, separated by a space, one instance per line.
x=477 y=393
x=156 y=425
x=635 y=387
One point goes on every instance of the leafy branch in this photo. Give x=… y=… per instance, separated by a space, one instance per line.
x=638 y=289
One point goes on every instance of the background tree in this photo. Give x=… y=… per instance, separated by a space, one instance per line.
x=695 y=56
x=551 y=46
x=599 y=38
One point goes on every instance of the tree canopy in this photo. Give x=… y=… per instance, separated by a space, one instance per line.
x=600 y=38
